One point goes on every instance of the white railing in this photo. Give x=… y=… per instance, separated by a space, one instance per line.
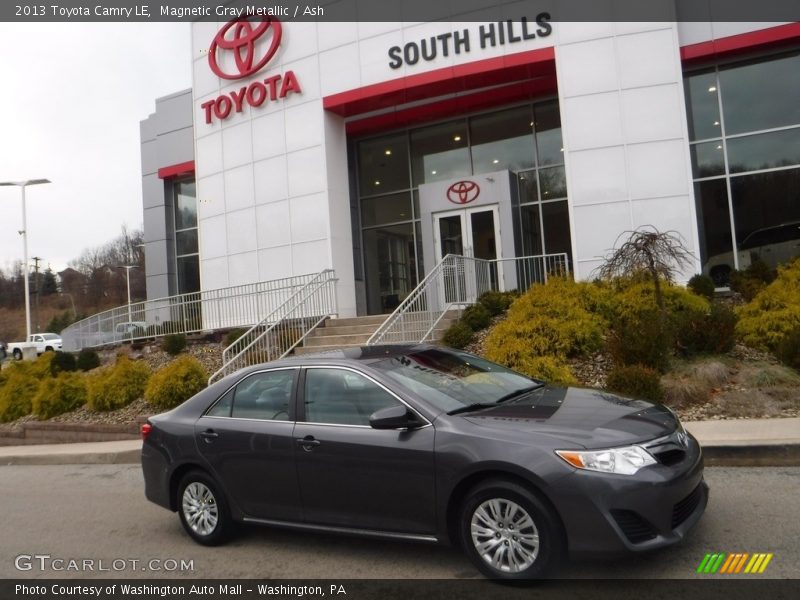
x=284 y=328
x=238 y=306
x=458 y=281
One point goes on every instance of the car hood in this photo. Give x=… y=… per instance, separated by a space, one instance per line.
x=590 y=418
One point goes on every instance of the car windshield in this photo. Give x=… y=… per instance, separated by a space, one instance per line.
x=451 y=380
x=50 y=336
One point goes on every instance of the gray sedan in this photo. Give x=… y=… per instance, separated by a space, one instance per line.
x=428 y=444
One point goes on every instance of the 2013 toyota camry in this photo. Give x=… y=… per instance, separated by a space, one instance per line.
x=428 y=444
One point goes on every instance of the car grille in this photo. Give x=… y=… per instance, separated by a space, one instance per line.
x=635 y=528
x=683 y=509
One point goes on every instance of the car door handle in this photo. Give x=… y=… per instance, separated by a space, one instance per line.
x=308 y=443
x=209 y=435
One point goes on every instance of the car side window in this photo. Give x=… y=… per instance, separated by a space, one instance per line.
x=222 y=408
x=264 y=396
x=341 y=397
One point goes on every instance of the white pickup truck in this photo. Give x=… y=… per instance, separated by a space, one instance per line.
x=44 y=342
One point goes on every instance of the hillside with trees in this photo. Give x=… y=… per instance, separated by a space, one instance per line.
x=92 y=282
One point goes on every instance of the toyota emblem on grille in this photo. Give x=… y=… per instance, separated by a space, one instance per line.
x=463 y=192
x=242 y=43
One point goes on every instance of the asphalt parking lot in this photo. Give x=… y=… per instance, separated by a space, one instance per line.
x=99 y=513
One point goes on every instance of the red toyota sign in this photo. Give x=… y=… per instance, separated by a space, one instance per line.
x=242 y=44
x=463 y=192
x=242 y=38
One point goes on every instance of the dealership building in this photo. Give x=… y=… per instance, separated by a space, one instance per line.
x=374 y=149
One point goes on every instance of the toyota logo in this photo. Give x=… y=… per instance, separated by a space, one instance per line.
x=242 y=42
x=463 y=192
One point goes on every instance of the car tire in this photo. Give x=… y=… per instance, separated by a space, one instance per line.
x=510 y=534
x=203 y=509
x=17 y=354
x=49 y=349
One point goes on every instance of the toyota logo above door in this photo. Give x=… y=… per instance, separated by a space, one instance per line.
x=241 y=37
x=463 y=192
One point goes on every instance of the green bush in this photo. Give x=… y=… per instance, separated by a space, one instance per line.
x=59 y=395
x=176 y=382
x=117 y=386
x=174 y=344
x=774 y=313
x=712 y=333
x=702 y=285
x=559 y=319
x=233 y=335
x=20 y=382
x=62 y=362
x=636 y=381
x=788 y=350
x=497 y=302
x=476 y=317
x=637 y=296
x=458 y=335
x=641 y=338
x=87 y=360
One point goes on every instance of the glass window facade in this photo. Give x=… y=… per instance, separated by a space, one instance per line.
x=187 y=256
x=744 y=130
x=523 y=139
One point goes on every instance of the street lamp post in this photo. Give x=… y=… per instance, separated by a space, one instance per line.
x=128 y=280
x=22 y=185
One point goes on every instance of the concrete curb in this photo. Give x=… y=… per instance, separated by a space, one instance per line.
x=756 y=455
x=98 y=453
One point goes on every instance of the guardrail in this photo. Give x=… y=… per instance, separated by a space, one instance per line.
x=237 y=306
x=456 y=282
x=284 y=328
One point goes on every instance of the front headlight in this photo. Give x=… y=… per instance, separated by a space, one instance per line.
x=620 y=461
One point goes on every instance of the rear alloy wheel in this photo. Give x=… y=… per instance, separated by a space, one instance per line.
x=17 y=354
x=508 y=533
x=202 y=509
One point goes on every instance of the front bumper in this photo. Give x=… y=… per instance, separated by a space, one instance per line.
x=613 y=513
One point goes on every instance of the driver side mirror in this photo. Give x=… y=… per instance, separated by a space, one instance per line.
x=394 y=417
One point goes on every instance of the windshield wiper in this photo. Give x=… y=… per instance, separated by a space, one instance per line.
x=518 y=393
x=509 y=396
x=471 y=407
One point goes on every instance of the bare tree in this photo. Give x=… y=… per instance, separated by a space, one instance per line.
x=660 y=254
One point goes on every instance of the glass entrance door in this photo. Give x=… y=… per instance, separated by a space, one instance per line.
x=475 y=233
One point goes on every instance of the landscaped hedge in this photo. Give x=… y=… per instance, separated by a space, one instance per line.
x=114 y=387
x=774 y=313
x=60 y=394
x=176 y=382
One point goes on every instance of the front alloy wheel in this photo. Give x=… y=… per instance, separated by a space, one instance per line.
x=509 y=533
x=202 y=509
x=504 y=535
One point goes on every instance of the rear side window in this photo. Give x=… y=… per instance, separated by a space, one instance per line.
x=264 y=396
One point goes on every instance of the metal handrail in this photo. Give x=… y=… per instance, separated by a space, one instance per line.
x=284 y=328
x=224 y=308
x=456 y=282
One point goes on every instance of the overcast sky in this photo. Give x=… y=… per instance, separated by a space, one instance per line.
x=71 y=101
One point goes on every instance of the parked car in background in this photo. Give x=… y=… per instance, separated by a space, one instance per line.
x=427 y=444
x=44 y=342
x=772 y=245
x=3 y=350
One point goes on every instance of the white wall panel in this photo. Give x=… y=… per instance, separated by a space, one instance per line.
x=241 y=227
x=242 y=268
x=239 y=188
x=211 y=196
x=652 y=113
x=213 y=238
x=598 y=175
x=237 y=145
x=309 y=217
x=273 y=225
x=596 y=121
x=658 y=169
x=647 y=58
x=269 y=135
x=271 y=180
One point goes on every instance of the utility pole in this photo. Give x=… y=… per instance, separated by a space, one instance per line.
x=36 y=260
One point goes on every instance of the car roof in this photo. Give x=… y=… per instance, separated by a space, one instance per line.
x=363 y=354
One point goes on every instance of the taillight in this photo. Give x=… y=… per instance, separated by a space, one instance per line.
x=145 y=430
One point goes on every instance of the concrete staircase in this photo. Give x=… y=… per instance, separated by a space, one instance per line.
x=334 y=334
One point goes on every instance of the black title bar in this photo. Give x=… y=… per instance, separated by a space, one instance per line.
x=400 y=10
